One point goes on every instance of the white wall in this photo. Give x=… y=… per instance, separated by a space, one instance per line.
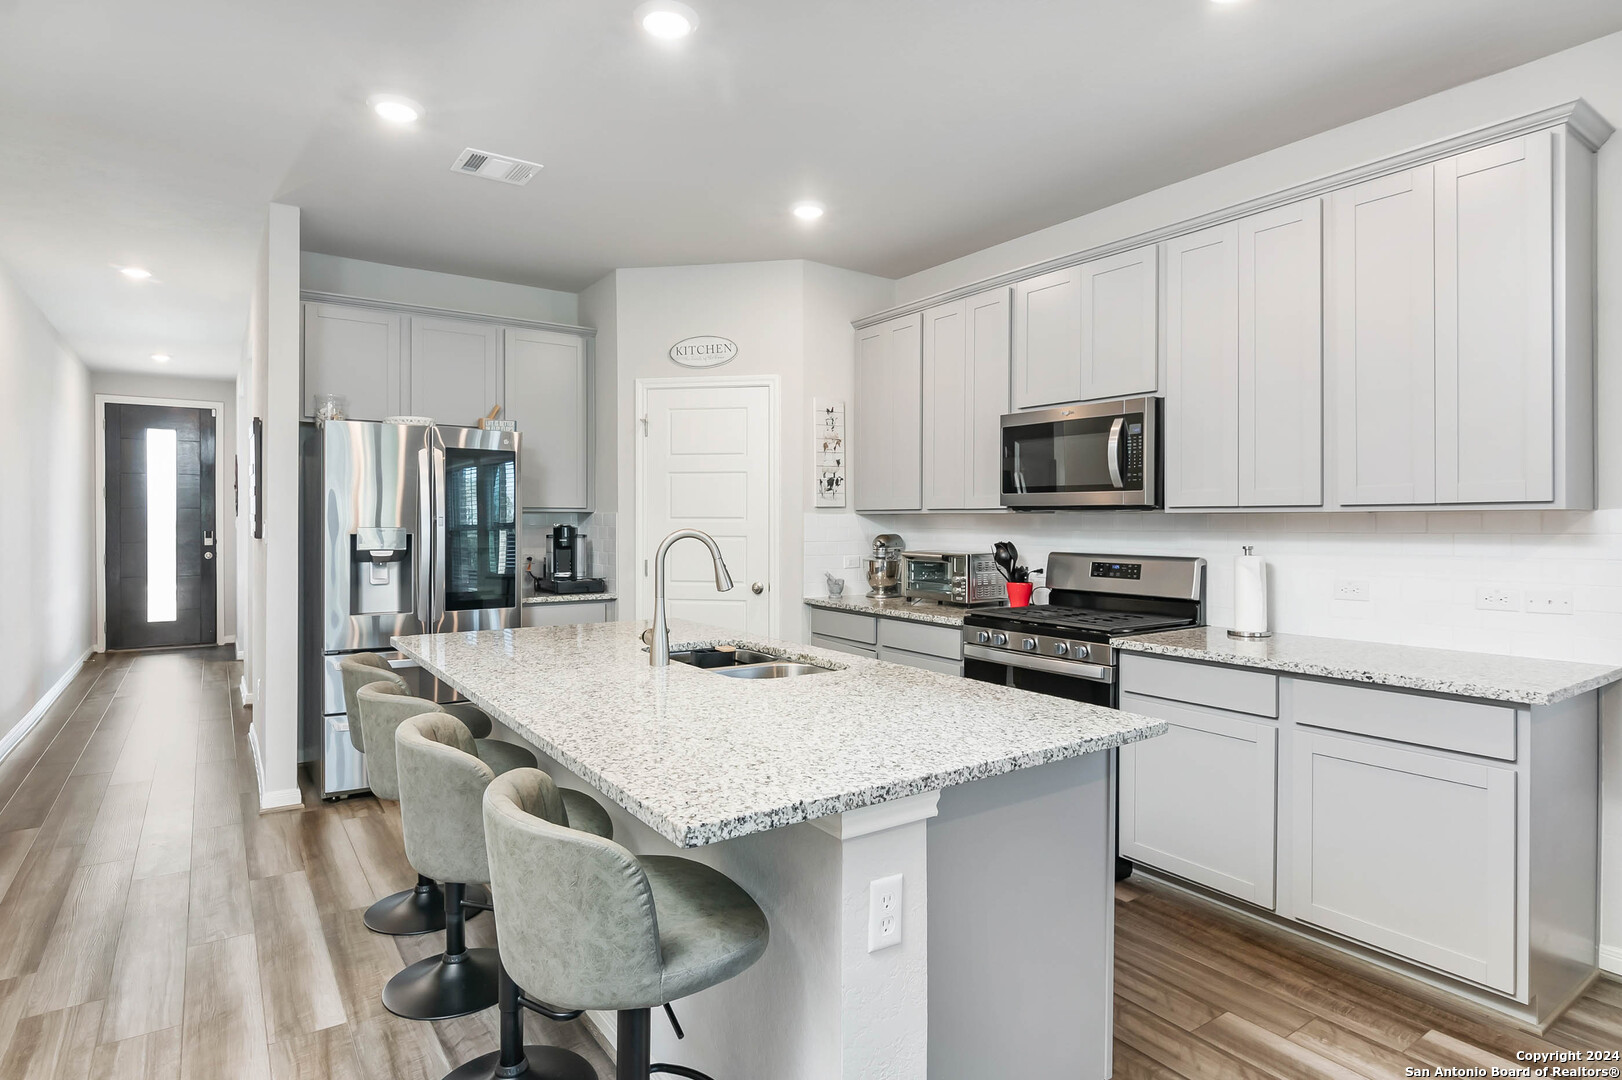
x=46 y=525
x=1423 y=567
x=270 y=374
x=131 y=385
x=790 y=319
x=428 y=288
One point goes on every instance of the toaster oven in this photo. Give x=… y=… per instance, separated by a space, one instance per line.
x=967 y=579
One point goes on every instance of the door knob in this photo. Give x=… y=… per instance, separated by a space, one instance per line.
x=757 y=588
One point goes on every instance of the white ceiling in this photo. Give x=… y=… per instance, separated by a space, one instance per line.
x=154 y=133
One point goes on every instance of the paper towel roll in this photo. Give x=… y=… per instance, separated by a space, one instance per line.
x=1250 y=595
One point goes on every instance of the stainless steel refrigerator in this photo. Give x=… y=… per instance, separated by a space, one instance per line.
x=404 y=530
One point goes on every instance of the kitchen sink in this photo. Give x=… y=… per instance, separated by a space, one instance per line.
x=779 y=669
x=723 y=657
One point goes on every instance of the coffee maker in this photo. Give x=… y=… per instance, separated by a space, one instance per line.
x=564 y=562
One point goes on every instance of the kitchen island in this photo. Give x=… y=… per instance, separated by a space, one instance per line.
x=995 y=805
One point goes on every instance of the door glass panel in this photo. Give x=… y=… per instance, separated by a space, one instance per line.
x=160 y=525
x=1068 y=456
x=481 y=530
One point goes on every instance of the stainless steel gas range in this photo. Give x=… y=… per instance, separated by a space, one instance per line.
x=1063 y=648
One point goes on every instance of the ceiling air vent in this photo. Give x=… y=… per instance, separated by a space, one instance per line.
x=488 y=166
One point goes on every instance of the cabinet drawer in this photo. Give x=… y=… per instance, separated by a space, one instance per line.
x=945 y=642
x=842 y=624
x=564 y=614
x=921 y=660
x=1200 y=801
x=841 y=645
x=1408 y=851
x=1234 y=689
x=1469 y=727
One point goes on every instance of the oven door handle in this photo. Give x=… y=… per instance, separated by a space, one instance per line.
x=1030 y=662
x=1114 y=451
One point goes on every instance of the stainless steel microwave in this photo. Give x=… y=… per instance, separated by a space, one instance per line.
x=1104 y=455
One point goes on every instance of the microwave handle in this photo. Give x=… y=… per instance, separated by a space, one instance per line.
x=1114 y=452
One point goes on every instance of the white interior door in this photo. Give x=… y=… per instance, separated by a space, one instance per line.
x=707 y=461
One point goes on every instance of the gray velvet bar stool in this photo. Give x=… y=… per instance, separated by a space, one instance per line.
x=584 y=924
x=421 y=909
x=443 y=772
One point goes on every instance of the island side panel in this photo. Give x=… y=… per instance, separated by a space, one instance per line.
x=1022 y=924
x=782 y=1017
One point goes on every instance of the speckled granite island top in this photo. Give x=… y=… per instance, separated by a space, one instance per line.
x=701 y=757
x=926 y=611
x=1518 y=679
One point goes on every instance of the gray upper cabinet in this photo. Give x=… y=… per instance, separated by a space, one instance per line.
x=455 y=369
x=965 y=394
x=1202 y=368
x=1087 y=332
x=889 y=415
x=1459 y=329
x=1281 y=356
x=1382 y=340
x=1244 y=362
x=353 y=352
x=1047 y=339
x=1495 y=324
x=548 y=394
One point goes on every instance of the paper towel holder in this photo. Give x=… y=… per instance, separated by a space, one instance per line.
x=1250 y=635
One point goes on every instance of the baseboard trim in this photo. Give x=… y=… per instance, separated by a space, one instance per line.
x=32 y=717
x=603 y=1027
x=228 y=639
x=285 y=799
x=247 y=695
x=1610 y=959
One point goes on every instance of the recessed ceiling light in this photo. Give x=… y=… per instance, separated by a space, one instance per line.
x=394 y=108
x=667 y=19
x=161 y=357
x=808 y=211
x=135 y=273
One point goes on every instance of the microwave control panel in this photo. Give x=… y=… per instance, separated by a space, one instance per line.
x=1132 y=456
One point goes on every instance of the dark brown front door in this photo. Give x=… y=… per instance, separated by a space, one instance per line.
x=161 y=550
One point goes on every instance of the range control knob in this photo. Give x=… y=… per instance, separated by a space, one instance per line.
x=999 y=639
x=983 y=637
x=1061 y=648
x=1028 y=644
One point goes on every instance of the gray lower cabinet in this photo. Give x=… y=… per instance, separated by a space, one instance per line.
x=566 y=614
x=1409 y=851
x=899 y=641
x=1200 y=801
x=855 y=648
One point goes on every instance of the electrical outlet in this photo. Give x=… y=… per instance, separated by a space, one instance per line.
x=1497 y=598
x=1549 y=601
x=1351 y=589
x=884 y=913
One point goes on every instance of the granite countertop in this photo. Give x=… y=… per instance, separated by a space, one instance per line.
x=568 y=598
x=700 y=757
x=924 y=611
x=1516 y=679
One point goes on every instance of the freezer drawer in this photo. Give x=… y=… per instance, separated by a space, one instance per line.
x=343 y=768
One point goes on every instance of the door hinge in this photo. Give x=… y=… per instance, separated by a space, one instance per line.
x=644 y=568
x=644 y=427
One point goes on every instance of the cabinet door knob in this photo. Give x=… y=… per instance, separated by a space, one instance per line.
x=757 y=588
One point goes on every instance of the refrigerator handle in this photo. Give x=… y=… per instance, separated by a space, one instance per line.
x=437 y=454
x=425 y=540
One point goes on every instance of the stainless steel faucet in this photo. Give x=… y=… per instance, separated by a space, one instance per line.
x=658 y=635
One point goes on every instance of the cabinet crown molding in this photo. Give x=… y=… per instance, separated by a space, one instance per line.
x=1580 y=118
x=314 y=296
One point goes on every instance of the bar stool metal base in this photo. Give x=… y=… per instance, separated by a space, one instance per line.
x=539 y=1063
x=420 y=910
x=438 y=989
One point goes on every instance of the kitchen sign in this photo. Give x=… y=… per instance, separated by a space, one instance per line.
x=703 y=352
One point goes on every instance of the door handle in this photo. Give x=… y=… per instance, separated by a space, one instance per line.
x=757 y=588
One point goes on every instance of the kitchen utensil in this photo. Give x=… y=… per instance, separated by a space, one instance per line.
x=836 y=585
x=484 y=421
x=1007 y=555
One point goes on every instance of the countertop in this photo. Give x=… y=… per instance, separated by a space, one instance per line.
x=924 y=611
x=700 y=757
x=569 y=598
x=1518 y=679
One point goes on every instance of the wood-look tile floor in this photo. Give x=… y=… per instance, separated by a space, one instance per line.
x=1201 y=994
x=154 y=925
